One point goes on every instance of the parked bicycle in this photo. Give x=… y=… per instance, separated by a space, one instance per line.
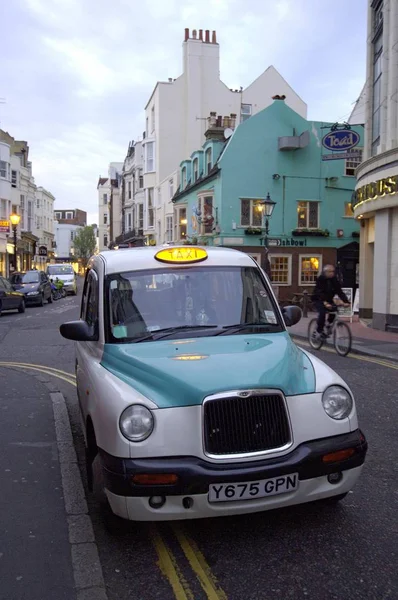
x=339 y=331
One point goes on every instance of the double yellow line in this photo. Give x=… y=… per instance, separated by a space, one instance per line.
x=197 y=562
x=64 y=375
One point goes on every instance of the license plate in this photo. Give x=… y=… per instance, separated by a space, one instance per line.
x=232 y=492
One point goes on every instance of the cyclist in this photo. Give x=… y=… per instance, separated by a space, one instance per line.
x=326 y=288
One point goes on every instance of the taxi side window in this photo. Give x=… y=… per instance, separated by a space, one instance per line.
x=89 y=308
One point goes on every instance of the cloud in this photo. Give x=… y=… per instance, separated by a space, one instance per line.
x=77 y=74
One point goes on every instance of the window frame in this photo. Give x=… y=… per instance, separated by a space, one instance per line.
x=105 y=237
x=346 y=216
x=69 y=213
x=105 y=198
x=4 y=169
x=246 y=111
x=201 y=197
x=151 y=164
x=307 y=226
x=169 y=228
x=354 y=162
x=289 y=270
x=253 y=202
x=14 y=180
x=91 y=282
x=209 y=163
x=150 y=208
x=195 y=169
x=177 y=222
x=300 y=257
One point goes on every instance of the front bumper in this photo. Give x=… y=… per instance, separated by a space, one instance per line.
x=130 y=500
x=70 y=287
x=30 y=300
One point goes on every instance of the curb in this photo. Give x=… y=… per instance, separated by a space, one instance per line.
x=87 y=570
x=356 y=349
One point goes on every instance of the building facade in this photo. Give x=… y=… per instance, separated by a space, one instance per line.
x=44 y=227
x=110 y=205
x=132 y=197
x=67 y=223
x=176 y=115
x=5 y=204
x=375 y=202
x=225 y=183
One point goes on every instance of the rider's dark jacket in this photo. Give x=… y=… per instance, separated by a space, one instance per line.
x=326 y=288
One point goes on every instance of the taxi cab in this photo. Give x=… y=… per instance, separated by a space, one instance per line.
x=195 y=402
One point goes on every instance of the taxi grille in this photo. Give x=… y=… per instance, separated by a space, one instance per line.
x=242 y=425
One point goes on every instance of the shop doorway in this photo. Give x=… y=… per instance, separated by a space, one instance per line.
x=347 y=261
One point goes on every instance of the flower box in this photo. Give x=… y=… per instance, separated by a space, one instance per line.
x=310 y=233
x=253 y=231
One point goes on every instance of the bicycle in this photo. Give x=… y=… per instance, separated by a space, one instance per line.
x=341 y=332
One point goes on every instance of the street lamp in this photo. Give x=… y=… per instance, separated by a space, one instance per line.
x=15 y=219
x=268 y=205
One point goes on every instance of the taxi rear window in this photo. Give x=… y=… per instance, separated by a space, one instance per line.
x=141 y=302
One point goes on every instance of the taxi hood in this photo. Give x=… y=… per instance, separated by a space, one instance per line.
x=174 y=373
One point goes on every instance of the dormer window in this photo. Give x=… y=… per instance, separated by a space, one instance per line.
x=208 y=161
x=184 y=177
x=195 y=169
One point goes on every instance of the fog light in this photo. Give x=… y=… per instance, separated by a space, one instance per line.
x=157 y=501
x=335 y=477
x=187 y=503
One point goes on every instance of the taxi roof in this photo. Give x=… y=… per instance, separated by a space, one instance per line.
x=143 y=258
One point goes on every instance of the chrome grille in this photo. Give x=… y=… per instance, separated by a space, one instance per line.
x=242 y=425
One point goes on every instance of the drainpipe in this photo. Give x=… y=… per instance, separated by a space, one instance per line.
x=283 y=203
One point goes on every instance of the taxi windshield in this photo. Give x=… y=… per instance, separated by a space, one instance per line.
x=150 y=305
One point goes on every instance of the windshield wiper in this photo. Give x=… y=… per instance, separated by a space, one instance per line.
x=228 y=329
x=170 y=330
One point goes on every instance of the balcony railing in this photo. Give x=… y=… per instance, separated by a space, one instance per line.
x=129 y=236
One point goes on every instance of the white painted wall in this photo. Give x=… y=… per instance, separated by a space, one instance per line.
x=63 y=238
x=103 y=209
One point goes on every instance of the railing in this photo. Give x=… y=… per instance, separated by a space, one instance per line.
x=129 y=235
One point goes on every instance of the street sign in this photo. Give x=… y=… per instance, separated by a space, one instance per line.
x=4 y=226
x=272 y=242
x=42 y=250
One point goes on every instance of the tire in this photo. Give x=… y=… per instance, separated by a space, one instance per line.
x=50 y=299
x=21 y=307
x=316 y=344
x=342 y=338
x=0 y=307
x=41 y=303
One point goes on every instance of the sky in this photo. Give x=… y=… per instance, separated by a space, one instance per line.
x=76 y=74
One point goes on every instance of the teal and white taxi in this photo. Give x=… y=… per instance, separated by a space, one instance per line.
x=195 y=401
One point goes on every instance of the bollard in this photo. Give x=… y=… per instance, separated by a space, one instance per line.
x=305 y=304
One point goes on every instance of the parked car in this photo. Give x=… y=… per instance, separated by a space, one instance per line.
x=195 y=401
x=34 y=285
x=66 y=274
x=9 y=298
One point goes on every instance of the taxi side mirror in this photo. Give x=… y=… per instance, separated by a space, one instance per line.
x=291 y=315
x=78 y=331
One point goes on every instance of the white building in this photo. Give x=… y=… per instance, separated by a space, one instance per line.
x=376 y=197
x=176 y=118
x=66 y=225
x=110 y=205
x=132 y=196
x=5 y=203
x=44 y=225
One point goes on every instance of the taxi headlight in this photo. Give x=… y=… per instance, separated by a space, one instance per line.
x=337 y=402
x=136 y=423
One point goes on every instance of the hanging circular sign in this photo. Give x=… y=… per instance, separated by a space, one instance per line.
x=342 y=139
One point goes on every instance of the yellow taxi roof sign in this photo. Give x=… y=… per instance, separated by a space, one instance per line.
x=181 y=254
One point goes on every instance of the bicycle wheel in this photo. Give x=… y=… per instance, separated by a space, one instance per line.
x=316 y=342
x=342 y=338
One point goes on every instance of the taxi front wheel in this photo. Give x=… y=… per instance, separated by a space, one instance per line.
x=114 y=524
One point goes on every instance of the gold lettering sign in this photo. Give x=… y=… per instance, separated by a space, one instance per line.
x=374 y=190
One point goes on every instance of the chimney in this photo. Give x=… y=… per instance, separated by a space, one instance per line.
x=213 y=38
x=233 y=120
x=207 y=39
x=186 y=34
x=201 y=35
x=194 y=34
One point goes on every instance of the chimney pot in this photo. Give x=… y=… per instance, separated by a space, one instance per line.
x=214 y=38
x=207 y=38
x=186 y=34
x=194 y=34
x=201 y=34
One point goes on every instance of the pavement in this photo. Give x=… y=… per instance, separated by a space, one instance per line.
x=366 y=340
x=55 y=544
